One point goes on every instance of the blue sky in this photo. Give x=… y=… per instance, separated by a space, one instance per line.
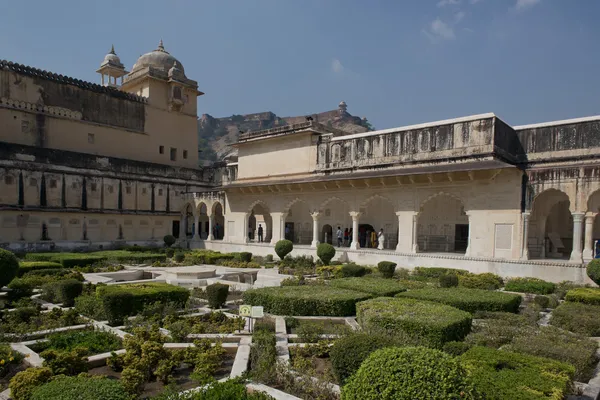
x=397 y=62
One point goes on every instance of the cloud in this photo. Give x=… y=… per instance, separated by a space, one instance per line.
x=474 y=1
x=439 y=30
x=443 y=3
x=523 y=4
x=336 y=66
x=459 y=16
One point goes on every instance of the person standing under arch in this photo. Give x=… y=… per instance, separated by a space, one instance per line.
x=260 y=233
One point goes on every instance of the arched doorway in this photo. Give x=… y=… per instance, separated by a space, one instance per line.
x=550 y=226
x=260 y=218
x=202 y=228
x=378 y=213
x=218 y=222
x=188 y=221
x=334 y=213
x=326 y=234
x=443 y=225
x=298 y=223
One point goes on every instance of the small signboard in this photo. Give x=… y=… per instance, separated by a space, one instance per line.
x=245 y=310
x=258 y=312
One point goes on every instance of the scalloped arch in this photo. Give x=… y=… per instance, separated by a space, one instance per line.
x=214 y=206
x=257 y=202
x=545 y=192
x=377 y=196
x=329 y=200
x=433 y=196
x=199 y=207
x=291 y=203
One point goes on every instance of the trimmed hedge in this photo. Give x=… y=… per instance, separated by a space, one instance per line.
x=386 y=268
x=80 y=388
x=470 y=300
x=325 y=252
x=593 y=270
x=216 y=294
x=245 y=256
x=503 y=375
x=25 y=382
x=486 y=281
x=436 y=272
x=375 y=286
x=577 y=317
x=529 y=285
x=318 y=300
x=283 y=248
x=70 y=260
x=584 y=295
x=9 y=267
x=448 y=280
x=28 y=266
x=353 y=270
x=409 y=373
x=415 y=321
x=207 y=257
x=120 y=301
x=64 y=291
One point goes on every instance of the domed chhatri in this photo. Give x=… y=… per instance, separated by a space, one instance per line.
x=112 y=59
x=159 y=59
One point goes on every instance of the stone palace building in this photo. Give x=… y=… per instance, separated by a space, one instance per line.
x=85 y=166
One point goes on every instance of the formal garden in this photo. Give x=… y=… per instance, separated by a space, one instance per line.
x=331 y=330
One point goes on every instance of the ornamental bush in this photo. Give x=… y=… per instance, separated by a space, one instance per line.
x=325 y=252
x=170 y=252
x=25 y=382
x=577 y=317
x=9 y=267
x=169 y=240
x=435 y=273
x=77 y=260
x=283 y=248
x=351 y=269
x=80 y=388
x=448 y=280
x=179 y=256
x=584 y=295
x=64 y=291
x=28 y=266
x=66 y=362
x=470 y=300
x=499 y=374
x=485 y=281
x=409 y=373
x=317 y=300
x=387 y=268
x=529 y=285
x=414 y=321
x=593 y=270
x=207 y=257
x=245 y=256
x=216 y=294
x=375 y=286
x=348 y=352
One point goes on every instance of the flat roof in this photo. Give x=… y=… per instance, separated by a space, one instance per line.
x=558 y=123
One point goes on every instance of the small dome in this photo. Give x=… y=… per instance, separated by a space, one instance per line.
x=343 y=104
x=159 y=59
x=112 y=59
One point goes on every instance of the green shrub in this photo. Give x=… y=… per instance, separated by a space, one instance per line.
x=542 y=301
x=529 y=285
x=179 y=256
x=94 y=341
x=415 y=321
x=269 y=258
x=283 y=248
x=119 y=301
x=387 y=268
x=353 y=270
x=503 y=375
x=9 y=267
x=577 y=317
x=485 y=281
x=435 y=273
x=325 y=252
x=25 y=382
x=448 y=281
x=584 y=295
x=28 y=266
x=216 y=294
x=66 y=362
x=245 y=256
x=207 y=257
x=56 y=273
x=169 y=240
x=78 y=260
x=348 y=352
x=80 y=388
x=231 y=389
x=409 y=373
x=170 y=252
x=374 y=286
x=593 y=270
x=263 y=356
x=456 y=348
x=306 y=300
x=91 y=306
x=470 y=300
x=63 y=292
x=21 y=287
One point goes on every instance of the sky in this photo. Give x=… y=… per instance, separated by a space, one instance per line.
x=396 y=62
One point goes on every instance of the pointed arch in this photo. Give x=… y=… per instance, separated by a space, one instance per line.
x=256 y=203
x=329 y=200
x=441 y=193
x=215 y=206
x=377 y=196
x=291 y=203
x=200 y=210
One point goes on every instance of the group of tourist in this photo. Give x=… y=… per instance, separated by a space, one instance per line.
x=366 y=239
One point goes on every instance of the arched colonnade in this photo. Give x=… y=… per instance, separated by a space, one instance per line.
x=202 y=221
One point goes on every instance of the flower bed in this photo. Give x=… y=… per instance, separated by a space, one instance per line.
x=470 y=300
x=501 y=374
x=94 y=341
x=584 y=295
x=306 y=300
x=214 y=323
x=374 y=286
x=26 y=320
x=415 y=321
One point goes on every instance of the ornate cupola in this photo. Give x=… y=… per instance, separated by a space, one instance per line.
x=112 y=69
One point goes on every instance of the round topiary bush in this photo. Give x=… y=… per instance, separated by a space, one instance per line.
x=448 y=280
x=9 y=267
x=386 y=268
x=80 y=388
x=348 y=352
x=283 y=248
x=245 y=256
x=408 y=373
x=216 y=294
x=169 y=240
x=593 y=270
x=325 y=252
x=179 y=256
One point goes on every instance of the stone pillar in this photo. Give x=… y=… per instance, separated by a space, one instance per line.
x=195 y=235
x=588 y=251
x=210 y=235
x=576 y=255
x=468 y=251
x=245 y=228
x=355 y=218
x=415 y=227
x=182 y=229
x=399 y=215
x=315 y=239
x=525 y=238
x=278 y=227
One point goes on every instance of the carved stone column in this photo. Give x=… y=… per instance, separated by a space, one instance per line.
x=525 y=238
x=195 y=235
x=278 y=227
x=576 y=254
x=399 y=215
x=415 y=226
x=210 y=228
x=588 y=251
x=468 y=251
x=355 y=218
x=315 y=239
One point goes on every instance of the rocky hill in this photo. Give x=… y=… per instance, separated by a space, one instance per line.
x=216 y=134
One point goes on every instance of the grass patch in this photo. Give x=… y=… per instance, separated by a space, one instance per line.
x=375 y=286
